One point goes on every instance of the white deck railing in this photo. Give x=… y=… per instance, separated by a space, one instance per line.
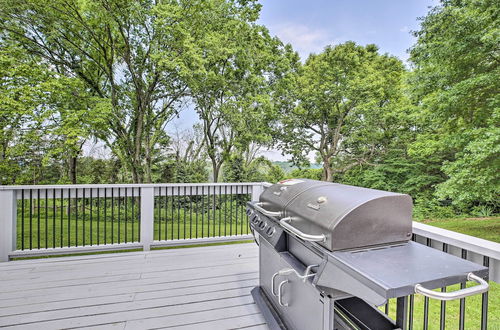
x=159 y=215
x=64 y=219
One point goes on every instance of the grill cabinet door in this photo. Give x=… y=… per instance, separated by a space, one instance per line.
x=305 y=307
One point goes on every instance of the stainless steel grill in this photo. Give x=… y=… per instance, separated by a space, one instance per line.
x=330 y=253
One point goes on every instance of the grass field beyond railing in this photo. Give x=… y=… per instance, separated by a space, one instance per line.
x=485 y=228
x=63 y=226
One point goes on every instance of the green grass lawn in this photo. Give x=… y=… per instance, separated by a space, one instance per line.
x=53 y=226
x=486 y=228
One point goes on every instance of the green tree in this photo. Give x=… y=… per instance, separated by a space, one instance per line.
x=21 y=96
x=185 y=159
x=44 y=115
x=456 y=83
x=259 y=169
x=232 y=82
x=346 y=97
x=75 y=117
x=132 y=53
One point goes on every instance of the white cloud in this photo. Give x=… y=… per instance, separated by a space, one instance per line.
x=405 y=29
x=304 y=39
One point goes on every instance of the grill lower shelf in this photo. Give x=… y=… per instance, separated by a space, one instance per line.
x=349 y=314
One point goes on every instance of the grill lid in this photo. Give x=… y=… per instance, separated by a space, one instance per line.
x=347 y=216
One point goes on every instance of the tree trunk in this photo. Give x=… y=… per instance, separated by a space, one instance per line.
x=215 y=169
x=148 y=177
x=135 y=174
x=72 y=169
x=327 y=171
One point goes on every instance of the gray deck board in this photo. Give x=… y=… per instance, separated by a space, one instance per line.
x=196 y=288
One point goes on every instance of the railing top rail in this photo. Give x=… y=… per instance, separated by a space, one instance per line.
x=469 y=243
x=129 y=185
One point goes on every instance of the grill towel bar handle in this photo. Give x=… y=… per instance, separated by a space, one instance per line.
x=285 y=223
x=288 y=271
x=280 y=295
x=482 y=287
x=259 y=207
x=282 y=272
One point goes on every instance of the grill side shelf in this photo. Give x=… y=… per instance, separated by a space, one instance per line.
x=395 y=270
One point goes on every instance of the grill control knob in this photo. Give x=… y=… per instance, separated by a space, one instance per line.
x=263 y=225
x=270 y=231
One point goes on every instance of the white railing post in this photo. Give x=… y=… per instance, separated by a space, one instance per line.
x=147 y=217
x=256 y=191
x=8 y=215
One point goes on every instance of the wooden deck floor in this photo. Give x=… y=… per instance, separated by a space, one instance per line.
x=195 y=288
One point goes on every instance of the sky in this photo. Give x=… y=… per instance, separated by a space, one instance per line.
x=311 y=25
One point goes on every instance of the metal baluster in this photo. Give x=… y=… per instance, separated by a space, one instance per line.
x=172 y=213
x=133 y=215
x=202 y=210
x=237 y=208
x=461 y=324
x=402 y=312
x=22 y=219
x=105 y=215
x=386 y=308
x=178 y=212
x=112 y=215
x=62 y=215
x=126 y=215
x=53 y=218
x=165 y=204
x=412 y=297
x=184 y=211
x=442 y=316
x=484 y=300
x=197 y=211
x=157 y=203
x=38 y=218
x=231 y=212
x=410 y=317
x=190 y=212
x=91 y=216
x=225 y=210
x=214 y=206
x=83 y=217
x=138 y=216
x=249 y=197
x=426 y=299
x=220 y=209
x=69 y=217
x=98 y=216
x=76 y=217
x=119 y=215
x=241 y=209
x=31 y=219
x=46 y=219
x=208 y=212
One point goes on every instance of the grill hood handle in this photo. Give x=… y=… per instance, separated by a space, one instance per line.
x=459 y=294
x=285 y=223
x=259 y=207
